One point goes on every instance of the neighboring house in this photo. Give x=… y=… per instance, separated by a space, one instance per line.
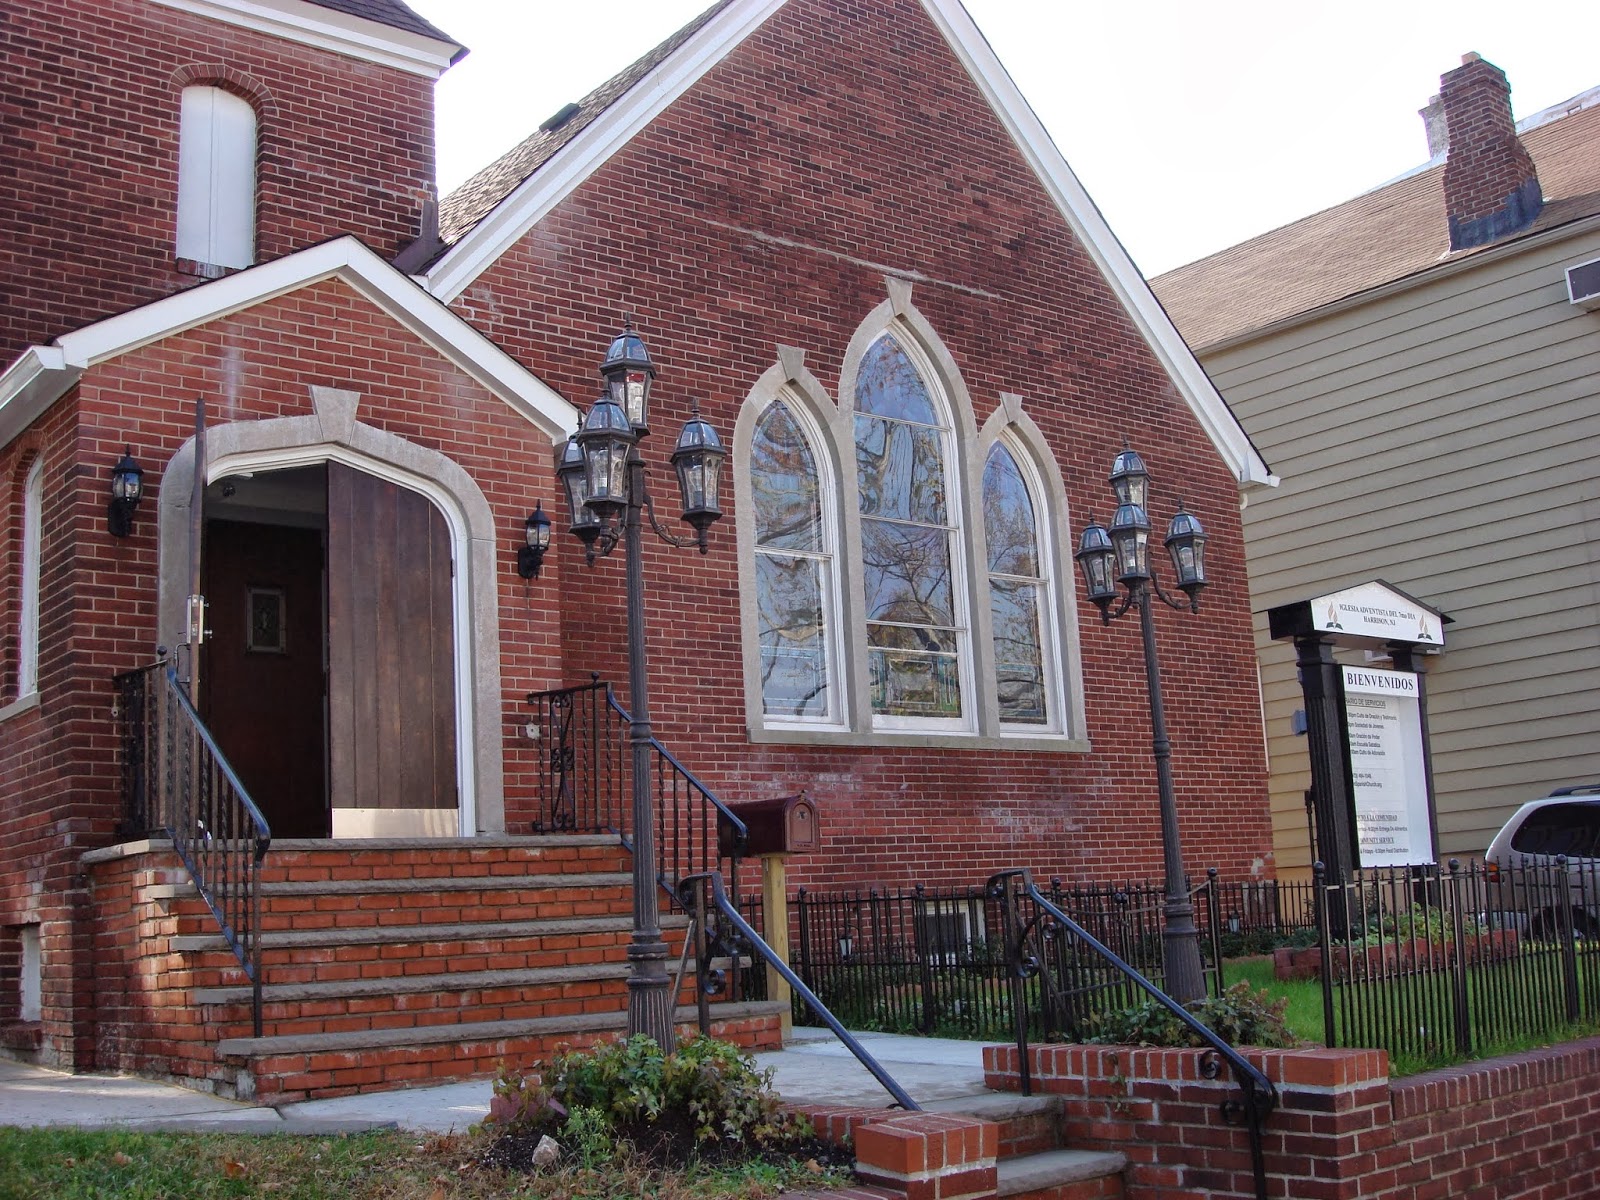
x=1413 y=363
x=843 y=235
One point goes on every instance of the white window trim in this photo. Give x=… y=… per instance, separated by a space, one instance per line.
x=838 y=716
x=966 y=458
x=959 y=533
x=1047 y=582
x=32 y=564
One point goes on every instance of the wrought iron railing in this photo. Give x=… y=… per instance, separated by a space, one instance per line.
x=720 y=932
x=1441 y=963
x=176 y=783
x=585 y=786
x=933 y=960
x=1031 y=958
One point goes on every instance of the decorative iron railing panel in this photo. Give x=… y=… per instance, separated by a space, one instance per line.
x=176 y=783
x=585 y=786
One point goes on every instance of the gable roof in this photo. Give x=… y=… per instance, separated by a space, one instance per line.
x=1392 y=232
x=44 y=373
x=386 y=12
x=495 y=209
x=477 y=197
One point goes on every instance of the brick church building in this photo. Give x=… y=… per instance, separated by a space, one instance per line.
x=273 y=419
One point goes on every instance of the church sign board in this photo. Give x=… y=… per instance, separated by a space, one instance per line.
x=1372 y=792
x=1388 y=776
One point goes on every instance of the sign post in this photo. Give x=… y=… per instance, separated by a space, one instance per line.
x=1371 y=781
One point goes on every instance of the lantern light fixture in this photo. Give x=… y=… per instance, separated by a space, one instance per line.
x=127 y=489
x=536 y=540
x=698 y=460
x=629 y=374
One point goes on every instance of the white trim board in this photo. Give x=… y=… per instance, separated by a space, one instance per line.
x=44 y=373
x=326 y=29
x=555 y=180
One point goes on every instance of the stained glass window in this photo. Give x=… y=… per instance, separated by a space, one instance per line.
x=914 y=631
x=794 y=568
x=1016 y=590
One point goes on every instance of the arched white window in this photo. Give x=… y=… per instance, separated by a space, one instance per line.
x=216 y=178
x=1018 y=591
x=32 y=554
x=917 y=644
x=794 y=573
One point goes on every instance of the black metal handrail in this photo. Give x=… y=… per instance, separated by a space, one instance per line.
x=586 y=787
x=177 y=782
x=691 y=895
x=1260 y=1096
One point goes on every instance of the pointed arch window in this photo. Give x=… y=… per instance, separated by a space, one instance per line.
x=1018 y=591
x=795 y=575
x=910 y=556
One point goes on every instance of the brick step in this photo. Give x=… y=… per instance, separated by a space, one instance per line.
x=1028 y=1124
x=287 y=1069
x=342 y=904
x=387 y=951
x=304 y=860
x=469 y=996
x=1062 y=1175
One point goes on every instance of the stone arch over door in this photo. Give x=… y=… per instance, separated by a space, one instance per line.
x=333 y=434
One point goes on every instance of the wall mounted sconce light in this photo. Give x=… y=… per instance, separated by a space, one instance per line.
x=127 y=489
x=536 y=539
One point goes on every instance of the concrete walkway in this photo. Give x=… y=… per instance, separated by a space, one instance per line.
x=814 y=1069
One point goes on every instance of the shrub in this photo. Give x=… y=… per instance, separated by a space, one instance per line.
x=668 y=1106
x=1239 y=1017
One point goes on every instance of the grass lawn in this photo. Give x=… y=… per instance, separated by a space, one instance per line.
x=71 y=1164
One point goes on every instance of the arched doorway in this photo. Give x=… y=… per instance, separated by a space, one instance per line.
x=328 y=679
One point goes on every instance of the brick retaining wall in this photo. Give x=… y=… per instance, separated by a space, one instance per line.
x=1520 y=1127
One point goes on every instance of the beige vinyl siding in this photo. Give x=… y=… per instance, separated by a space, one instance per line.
x=1444 y=437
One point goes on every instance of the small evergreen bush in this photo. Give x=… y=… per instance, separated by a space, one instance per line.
x=1239 y=1017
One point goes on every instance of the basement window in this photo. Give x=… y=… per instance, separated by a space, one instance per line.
x=216 y=182
x=32 y=999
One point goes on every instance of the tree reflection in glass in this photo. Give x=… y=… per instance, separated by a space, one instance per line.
x=793 y=566
x=906 y=533
x=1015 y=589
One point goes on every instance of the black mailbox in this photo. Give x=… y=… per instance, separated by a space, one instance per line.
x=783 y=825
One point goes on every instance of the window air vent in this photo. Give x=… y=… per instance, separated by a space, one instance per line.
x=1583 y=284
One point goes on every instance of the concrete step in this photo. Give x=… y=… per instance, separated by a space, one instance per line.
x=282 y=1069
x=1061 y=1175
x=457 y=981
x=411 y=934
x=411 y=884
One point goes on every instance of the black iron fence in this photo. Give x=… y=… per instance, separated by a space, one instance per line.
x=176 y=784
x=933 y=960
x=1447 y=962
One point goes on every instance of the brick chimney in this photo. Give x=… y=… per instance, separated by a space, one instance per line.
x=1490 y=186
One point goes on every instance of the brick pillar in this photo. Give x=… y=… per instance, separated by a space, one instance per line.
x=1490 y=186
x=929 y=1156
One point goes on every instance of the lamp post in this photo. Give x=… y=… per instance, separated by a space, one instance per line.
x=603 y=476
x=1120 y=554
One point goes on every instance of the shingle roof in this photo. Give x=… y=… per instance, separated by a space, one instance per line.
x=477 y=197
x=1387 y=234
x=387 y=12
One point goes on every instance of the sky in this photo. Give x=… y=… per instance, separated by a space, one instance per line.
x=1193 y=125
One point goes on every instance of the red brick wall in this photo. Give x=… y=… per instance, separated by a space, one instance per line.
x=89 y=90
x=850 y=132
x=46 y=805
x=58 y=766
x=1515 y=1128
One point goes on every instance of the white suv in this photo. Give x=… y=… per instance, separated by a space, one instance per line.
x=1522 y=858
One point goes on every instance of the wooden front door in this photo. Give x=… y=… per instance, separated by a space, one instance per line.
x=391 y=660
x=262 y=696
